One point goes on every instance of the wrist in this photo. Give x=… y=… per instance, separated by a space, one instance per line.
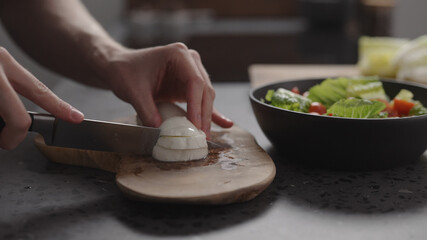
x=104 y=52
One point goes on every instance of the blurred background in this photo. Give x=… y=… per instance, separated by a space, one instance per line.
x=232 y=34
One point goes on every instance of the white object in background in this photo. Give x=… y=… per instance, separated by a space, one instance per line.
x=411 y=61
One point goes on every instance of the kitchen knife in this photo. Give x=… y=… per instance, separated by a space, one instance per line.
x=94 y=134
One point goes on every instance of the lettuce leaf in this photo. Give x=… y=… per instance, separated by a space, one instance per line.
x=405 y=95
x=286 y=99
x=418 y=109
x=356 y=108
x=331 y=90
x=370 y=90
x=269 y=95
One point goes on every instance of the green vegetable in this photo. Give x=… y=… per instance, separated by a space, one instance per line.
x=376 y=55
x=370 y=90
x=331 y=90
x=405 y=95
x=356 y=108
x=286 y=99
x=418 y=109
x=269 y=95
x=344 y=97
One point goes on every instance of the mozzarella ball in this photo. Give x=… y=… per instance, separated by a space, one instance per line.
x=179 y=139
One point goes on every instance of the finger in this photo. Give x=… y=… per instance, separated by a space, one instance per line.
x=207 y=106
x=208 y=95
x=221 y=120
x=194 y=101
x=17 y=121
x=147 y=110
x=30 y=87
x=189 y=74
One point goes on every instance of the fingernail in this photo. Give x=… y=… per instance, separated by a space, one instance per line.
x=226 y=118
x=76 y=115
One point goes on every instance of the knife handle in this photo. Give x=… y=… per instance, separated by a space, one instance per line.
x=32 y=114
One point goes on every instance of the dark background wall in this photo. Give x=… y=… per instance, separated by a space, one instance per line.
x=232 y=34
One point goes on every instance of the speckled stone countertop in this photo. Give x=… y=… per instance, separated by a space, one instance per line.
x=44 y=200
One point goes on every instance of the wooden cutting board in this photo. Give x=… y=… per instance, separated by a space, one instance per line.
x=236 y=170
x=261 y=74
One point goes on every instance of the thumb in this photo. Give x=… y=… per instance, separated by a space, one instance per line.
x=221 y=120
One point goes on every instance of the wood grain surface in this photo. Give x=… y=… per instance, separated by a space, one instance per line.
x=236 y=170
x=261 y=74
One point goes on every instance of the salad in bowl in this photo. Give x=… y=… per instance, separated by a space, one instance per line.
x=357 y=123
x=357 y=97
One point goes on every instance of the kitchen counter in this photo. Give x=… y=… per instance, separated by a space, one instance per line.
x=40 y=199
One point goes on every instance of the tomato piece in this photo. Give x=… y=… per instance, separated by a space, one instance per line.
x=295 y=90
x=317 y=107
x=389 y=108
x=402 y=106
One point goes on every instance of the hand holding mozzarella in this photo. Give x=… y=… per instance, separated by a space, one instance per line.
x=171 y=73
x=141 y=77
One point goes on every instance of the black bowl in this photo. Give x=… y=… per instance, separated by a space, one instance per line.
x=342 y=143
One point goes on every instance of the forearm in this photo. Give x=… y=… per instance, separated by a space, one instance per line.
x=61 y=35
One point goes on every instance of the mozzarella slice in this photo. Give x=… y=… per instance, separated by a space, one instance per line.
x=176 y=155
x=193 y=142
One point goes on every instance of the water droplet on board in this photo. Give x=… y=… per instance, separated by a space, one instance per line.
x=228 y=163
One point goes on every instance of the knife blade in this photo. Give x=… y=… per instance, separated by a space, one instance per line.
x=94 y=134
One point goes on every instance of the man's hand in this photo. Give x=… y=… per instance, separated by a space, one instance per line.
x=16 y=79
x=167 y=73
x=65 y=38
